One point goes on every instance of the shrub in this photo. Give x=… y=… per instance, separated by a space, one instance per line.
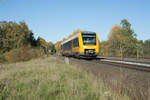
x=24 y=53
x=2 y=59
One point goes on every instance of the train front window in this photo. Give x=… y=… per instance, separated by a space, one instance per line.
x=89 y=39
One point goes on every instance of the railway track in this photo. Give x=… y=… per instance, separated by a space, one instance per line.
x=124 y=64
x=120 y=77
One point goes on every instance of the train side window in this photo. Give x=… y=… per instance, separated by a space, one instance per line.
x=76 y=42
x=67 y=46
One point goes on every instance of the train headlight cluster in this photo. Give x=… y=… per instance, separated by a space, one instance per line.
x=89 y=51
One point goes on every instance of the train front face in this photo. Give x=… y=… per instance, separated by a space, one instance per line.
x=89 y=44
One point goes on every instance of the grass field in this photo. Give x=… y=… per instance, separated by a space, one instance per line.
x=51 y=79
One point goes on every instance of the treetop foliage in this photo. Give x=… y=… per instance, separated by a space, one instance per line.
x=124 y=23
x=13 y=35
x=122 y=42
x=16 y=35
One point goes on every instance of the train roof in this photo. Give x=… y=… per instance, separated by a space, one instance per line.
x=76 y=35
x=88 y=32
x=73 y=37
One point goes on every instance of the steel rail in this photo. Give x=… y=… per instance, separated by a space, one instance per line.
x=126 y=64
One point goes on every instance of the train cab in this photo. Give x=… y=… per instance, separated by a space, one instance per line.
x=82 y=44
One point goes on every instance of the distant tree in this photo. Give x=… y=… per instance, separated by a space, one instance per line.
x=146 y=48
x=58 y=46
x=131 y=40
x=51 y=48
x=32 y=40
x=104 y=48
x=13 y=35
x=125 y=24
x=140 y=49
x=42 y=44
x=114 y=39
x=16 y=38
x=122 y=40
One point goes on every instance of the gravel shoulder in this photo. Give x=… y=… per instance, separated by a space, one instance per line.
x=141 y=60
x=134 y=83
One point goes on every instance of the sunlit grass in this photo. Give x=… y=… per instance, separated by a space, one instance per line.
x=51 y=79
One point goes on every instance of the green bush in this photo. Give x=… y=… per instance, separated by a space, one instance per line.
x=2 y=59
x=24 y=53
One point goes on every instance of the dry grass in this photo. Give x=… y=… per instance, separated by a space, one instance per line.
x=133 y=83
x=51 y=79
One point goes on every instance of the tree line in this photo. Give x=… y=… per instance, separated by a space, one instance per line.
x=17 y=39
x=122 y=41
x=14 y=36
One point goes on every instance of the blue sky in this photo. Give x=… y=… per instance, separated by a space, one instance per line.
x=55 y=19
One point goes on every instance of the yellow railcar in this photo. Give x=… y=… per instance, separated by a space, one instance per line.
x=83 y=44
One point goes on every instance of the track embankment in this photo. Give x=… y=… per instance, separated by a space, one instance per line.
x=135 y=83
x=126 y=64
